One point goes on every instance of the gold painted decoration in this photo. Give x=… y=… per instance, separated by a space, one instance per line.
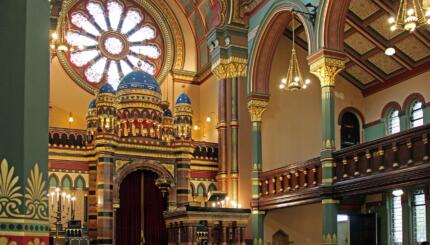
x=230 y=67
x=256 y=109
x=6 y=241
x=10 y=197
x=326 y=68
x=36 y=199
x=36 y=241
x=329 y=239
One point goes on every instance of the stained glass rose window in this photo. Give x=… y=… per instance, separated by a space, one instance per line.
x=110 y=38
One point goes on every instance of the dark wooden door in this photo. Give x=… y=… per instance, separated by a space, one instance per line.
x=363 y=229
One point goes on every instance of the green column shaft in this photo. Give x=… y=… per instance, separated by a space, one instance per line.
x=257 y=215
x=24 y=87
x=234 y=171
x=329 y=205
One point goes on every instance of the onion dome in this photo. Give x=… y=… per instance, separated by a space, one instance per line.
x=139 y=80
x=107 y=88
x=92 y=104
x=168 y=113
x=183 y=98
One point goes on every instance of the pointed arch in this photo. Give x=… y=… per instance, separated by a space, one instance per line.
x=80 y=182
x=201 y=190
x=66 y=182
x=53 y=181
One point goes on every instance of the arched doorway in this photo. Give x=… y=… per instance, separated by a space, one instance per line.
x=140 y=214
x=349 y=130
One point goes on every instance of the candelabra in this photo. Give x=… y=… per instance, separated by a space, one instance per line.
x=65 y=207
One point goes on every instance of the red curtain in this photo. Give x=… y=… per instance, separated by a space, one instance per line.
x=128 y=218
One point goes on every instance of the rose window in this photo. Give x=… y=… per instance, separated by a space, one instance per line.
x=110 y=39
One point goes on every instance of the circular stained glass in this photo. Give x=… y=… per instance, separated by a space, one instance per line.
x=110 y=38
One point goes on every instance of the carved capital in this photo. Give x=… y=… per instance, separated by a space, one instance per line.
x=326 y=68
x=256 y=109
x=230 y=67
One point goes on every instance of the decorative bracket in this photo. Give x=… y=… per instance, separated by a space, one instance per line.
x=311 y=14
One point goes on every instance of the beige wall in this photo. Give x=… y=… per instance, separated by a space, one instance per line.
x=302 y=224
x=375 y=103
x=291 y=129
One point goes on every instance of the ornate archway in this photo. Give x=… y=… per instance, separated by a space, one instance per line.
x=140 y=204
x=264 y=38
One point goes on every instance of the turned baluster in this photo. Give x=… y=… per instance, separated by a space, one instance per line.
x=381 y=158
x=344 y=168
x=297 y=175
x=395 y=155
x=355 y=166
x=410 y=151
x=289 y=181
x=306 y=180
x=315 y=175
x=281 y=183
x=426 y=149
x=274 y=185
x=266 y=186
x=368 y=157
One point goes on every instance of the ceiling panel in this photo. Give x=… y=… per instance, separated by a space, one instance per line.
x=363 y=8
x=382 y=27
x=385 y=63
x=361 y=75
x=413 y=48
x=359 y=43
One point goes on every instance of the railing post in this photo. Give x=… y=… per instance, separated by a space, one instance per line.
x=325 y=65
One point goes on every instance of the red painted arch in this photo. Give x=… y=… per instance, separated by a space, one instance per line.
x=334 y=18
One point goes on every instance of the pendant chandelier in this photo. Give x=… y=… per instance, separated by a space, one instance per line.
x=58 y=42
x=410 y=15
x=294 y=80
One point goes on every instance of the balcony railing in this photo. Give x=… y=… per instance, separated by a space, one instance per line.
x=67 y=138
x=398 y=159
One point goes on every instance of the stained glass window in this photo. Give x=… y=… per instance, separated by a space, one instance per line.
x=110 y=38
x=419 y=216
x=396 y=218
x=393 y=122
x=417 y=115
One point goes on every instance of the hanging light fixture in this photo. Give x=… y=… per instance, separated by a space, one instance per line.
x=410 y=16
x=58 y=41
x=294 y=80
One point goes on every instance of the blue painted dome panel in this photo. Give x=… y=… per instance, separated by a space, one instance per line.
x=168 y=113
x=183 y=98
x=107 y=88
x=139 y=80
x=92 y=104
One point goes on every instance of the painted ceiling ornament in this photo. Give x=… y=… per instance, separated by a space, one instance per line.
x=110 y=39
x=10 y=196
x=36 y=199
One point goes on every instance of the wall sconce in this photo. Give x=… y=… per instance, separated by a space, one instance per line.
x=209 y=118
x=71 y=119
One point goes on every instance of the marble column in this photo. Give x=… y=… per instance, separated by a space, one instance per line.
x=222 y=135
x=24 y=88
x=256 y=109
x=234 y=139
x=326 y=68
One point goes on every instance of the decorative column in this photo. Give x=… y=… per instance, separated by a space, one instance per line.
x=24 y=86
x=222 y=134
x=256 y=109
x=105 y=151
x=325 y=65
x=228 y=49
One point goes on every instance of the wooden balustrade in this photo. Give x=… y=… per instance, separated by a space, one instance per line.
x=383 y=155
x=292 y=178
x=67 y=138
x=390 y=162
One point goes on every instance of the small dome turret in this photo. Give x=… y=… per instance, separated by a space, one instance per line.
x=107 y=88
x=183 y=98
x=183 y=117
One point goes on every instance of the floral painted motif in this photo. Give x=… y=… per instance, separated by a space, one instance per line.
x=10 y=197
x=5 y=241
x=36 y=241
x=36 y=199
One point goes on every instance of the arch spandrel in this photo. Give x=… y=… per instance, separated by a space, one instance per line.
x=265 y=31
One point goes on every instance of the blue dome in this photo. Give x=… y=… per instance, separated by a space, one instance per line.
x=139 y=80
x=183 y=98
x=92 y=104
x=107 y=88
x=168 y=113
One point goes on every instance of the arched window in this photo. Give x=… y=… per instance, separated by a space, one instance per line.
x=80 y=182
x=193 y=189
x=201 y=190
x=349 y=130
x=416 y=114
x=393 y=122
x=212 y=187
x=53 y=181
x=66 y=182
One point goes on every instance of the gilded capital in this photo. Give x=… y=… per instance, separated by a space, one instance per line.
x=230 y=67
x=326 y=68
x=256 y=109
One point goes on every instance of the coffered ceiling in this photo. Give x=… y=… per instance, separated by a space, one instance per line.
x=367 y=35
